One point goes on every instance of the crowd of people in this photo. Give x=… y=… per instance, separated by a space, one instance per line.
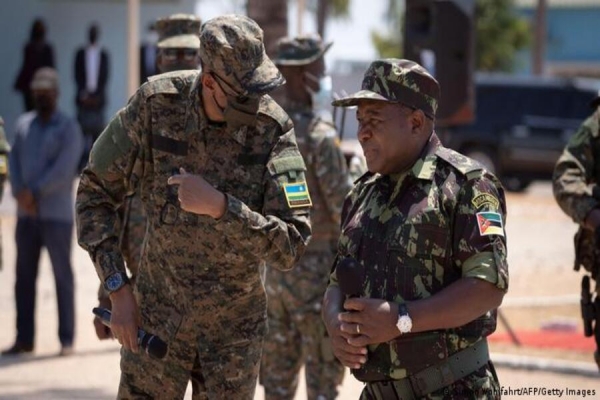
x=208 y=207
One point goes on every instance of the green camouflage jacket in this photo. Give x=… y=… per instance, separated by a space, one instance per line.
x=191 y=256
x=575 y=184
x=416 y=233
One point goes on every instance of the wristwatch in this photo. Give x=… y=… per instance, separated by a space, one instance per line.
x=115 y=282
x=404 y=323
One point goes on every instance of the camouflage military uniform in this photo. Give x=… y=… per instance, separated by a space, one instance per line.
x=416 y=232
x=297 y=335
x=410 y=252
x=176 y=31
x=198 y=286
x=575 y=185
x=296 y=331
x=4 y=149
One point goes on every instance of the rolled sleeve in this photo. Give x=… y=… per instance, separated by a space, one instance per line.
x=479 y=232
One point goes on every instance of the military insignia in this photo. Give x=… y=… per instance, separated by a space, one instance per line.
x=485 y=199
x=297 y=195
x=490 y=223
x=3 y=165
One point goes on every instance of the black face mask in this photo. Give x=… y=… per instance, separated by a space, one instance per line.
x=240 y=110
x=43 y=103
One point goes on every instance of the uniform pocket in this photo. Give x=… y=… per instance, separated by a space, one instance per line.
x=422 y=249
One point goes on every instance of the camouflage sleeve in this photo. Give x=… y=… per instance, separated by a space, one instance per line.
x=332 y=173
x=479 y=239
x=280 y=233
x=105 y=182
x=574 y=172
x=348 y=204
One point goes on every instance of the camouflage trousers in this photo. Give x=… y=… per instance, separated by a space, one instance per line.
x=297 y=334
x=481 y=384
x=222 y=363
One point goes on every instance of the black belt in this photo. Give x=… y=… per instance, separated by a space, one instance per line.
x=430 y=379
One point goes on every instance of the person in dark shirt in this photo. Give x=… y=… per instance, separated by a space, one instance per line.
x=37 y=54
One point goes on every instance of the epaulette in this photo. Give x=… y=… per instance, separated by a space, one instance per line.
x=170 y=82
x=321 y=129
x=465 y=165
x=271 y=109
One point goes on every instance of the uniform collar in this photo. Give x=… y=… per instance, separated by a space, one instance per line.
x=424 y=167
x=195 y=101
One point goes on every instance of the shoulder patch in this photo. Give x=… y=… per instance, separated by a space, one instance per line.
x=462 y=163
x=490 y=223
x=297 y=194
x=485 y=199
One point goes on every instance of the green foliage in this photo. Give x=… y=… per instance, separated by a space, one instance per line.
x=500 y=33
x=388 y=46
x=339 y=8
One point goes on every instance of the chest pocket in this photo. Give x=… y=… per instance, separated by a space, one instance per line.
x=168 y=155
x=417 y=256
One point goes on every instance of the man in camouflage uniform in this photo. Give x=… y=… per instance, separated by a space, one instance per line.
x=297 y=335
x=424 y=246
x=178 y=49
x=4 y=149
x=575 y=184
x=222 y=182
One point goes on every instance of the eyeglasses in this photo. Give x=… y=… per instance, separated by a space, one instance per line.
x=174 y=54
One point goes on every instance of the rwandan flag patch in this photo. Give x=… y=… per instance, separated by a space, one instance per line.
x=297 y=195
x=490 y=223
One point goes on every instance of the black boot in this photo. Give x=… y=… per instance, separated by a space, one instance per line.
x=18 y=349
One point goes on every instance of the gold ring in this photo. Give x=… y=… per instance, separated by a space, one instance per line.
x=358 y=329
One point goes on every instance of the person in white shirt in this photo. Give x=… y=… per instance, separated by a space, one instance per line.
x=91 y=76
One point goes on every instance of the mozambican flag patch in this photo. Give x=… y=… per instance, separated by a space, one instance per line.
x=297 y=195
x=490 y=223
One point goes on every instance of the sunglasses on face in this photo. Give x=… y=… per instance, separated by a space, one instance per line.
x=174 y=54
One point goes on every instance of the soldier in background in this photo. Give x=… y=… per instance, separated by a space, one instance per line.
x=221 y=178
x=178 y=49
x=575 y=185
x=297 y=335
x=423 y=235
x=4 y=149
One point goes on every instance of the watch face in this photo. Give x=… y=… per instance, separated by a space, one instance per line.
x=404 y=324
x=114 y=282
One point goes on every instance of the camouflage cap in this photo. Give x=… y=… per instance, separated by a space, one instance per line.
x=398 y=81
x=178 y=31
x=232 y=47
x=44 y=78
x=301 y=50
